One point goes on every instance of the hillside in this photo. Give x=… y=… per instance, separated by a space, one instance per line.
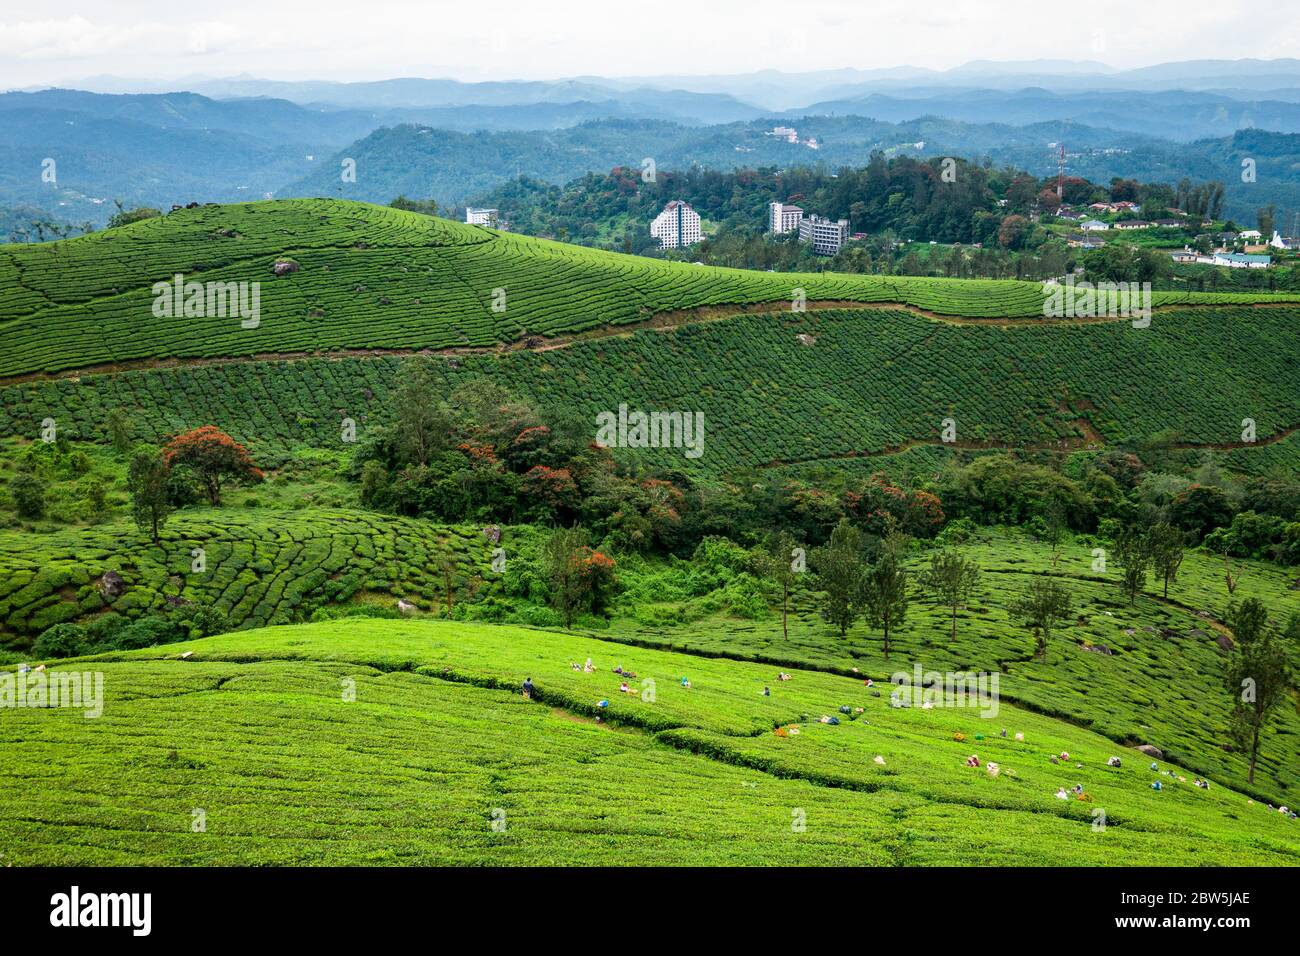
x=1149 y=683
x=862 y=388
x=377 y=278
x=404 y=743
x=813 y=420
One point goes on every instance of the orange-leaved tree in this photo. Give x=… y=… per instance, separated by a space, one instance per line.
x=213 y=456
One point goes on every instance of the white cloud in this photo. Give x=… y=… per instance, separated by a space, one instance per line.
x=370 y=39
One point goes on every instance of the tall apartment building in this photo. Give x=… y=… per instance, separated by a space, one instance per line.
x=826 y=235
x=677 y=226
x=782 y=218
x=481 y=217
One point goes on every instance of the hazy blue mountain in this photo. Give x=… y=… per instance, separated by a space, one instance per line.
x=450 y=167
x=1177 y=115
x=97 y=160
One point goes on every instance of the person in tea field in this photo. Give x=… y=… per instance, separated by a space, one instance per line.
x=528 y=688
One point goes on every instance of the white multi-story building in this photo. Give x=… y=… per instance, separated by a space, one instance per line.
x=480 y=217
x=677 y=226
x=826 y=235
x=782 y=218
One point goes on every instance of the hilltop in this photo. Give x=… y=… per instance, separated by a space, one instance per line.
x=371 y=277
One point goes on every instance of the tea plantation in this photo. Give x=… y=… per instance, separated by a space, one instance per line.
x=401 y=742
x=364 y=705
x=366 y=277
x=862 y=383
x=268 y=568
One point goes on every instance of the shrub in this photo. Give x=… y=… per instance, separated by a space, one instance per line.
x=532 y=615
x=61 y=640
x=147 y=632
x=29 y=495
x=201 y=620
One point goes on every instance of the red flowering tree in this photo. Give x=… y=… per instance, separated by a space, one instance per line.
x=595 y=572
x=213 y=456
x=882 y=506
x=532 y=445
x=579 y=577
x=924 y=514
x=553 y=488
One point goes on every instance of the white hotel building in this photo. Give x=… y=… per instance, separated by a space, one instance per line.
x=677 y=226
x=782 y=218
x=481 y=217
x=826 y=235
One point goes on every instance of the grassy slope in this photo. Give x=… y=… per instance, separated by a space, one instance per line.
x=873 y=381
x=254 y=730
x=1162 y=684
x=277 y=562
x=376 y=277
x=263 y=567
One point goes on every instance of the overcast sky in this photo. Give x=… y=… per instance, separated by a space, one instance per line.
x=44 y=43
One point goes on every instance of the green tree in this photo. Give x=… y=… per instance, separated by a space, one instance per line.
x=1054 y=521
x=427 y=207
x=423 y=421
x=1258 y=674
x=1133 y=555
x=124 y=216
x=884 y=589
x=1167 y=546
x=840 y=571
x=29 y=495
x=1043 y=603
x=952 y=579
x=119 y=431
x=146 y=479
x=782 y=563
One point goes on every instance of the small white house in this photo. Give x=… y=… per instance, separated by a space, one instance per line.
x=1241 y=260
x=1094 y=225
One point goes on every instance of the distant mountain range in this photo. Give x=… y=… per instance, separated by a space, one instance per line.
x=765 y=90
x=244 y=138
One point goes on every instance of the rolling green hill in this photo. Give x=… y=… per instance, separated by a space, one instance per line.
x=859 y=387
x=400 y=742
x=252 y=728
x=377 y=278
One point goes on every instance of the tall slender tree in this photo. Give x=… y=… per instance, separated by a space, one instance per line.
x=840 y=568
x=1167 y=546
x=1043 y=603
x=952 y=580
x=884 y=590
x=1258 y=674
x=146 y=479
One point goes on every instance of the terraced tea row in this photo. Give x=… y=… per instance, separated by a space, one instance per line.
x=257 y=568
x=273 y=734
x=779 y=389
x=1150 y=672
x=371 y=277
